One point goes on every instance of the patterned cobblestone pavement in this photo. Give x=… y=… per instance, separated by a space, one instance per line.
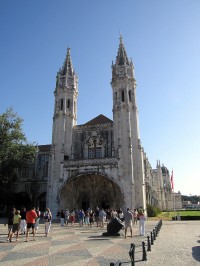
x=71 y=245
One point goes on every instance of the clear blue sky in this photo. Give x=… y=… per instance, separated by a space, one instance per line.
x=161 y=37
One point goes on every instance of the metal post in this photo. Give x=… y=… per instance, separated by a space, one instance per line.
x=156 y=230
x=144 y=254
x=132 y=254
x=154 y=235
x=159 y=225
x=151 y=238
x=148 y=244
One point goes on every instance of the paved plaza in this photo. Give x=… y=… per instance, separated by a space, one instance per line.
x=178 y=243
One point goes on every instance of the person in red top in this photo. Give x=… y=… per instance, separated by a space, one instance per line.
x=31 y=216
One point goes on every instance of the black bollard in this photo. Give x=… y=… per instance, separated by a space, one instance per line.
x=159 y=226
x=156 y=230
x=148 y=244
x=144 y=254
x=151 y=238
x=154 y=235
x=132 y=254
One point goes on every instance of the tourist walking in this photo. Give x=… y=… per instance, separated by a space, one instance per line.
x=120 y=214
x=96 y=215
x=135 y=216
x=128 y=218
x=10 y=222
x=142 y=219
x=38 y=219
x=87 y=217
x=72 y=216
x=23 y=221
x=81 y=216
x=58 y=216
x=31 y=216
x=16 y=225
x=102 y=217
x=48 y=219
x=67 y=217
x=62 y=218
x=91 y=219
x=114 y=214
x=108 y=215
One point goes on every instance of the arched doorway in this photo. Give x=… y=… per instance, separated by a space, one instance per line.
x=21 y=199
x=85 y=202
x=41 y=201
x=91 y=191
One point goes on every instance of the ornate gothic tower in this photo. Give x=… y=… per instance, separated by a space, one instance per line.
x=126 y=130
x=64 y=119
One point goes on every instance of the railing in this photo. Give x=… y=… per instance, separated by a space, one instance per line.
x=150 y=242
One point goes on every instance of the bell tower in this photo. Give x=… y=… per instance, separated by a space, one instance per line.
x=126 y=129
x=64 y=120
x=65 y=111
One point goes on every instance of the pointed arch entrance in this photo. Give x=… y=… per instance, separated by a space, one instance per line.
x=92 y=191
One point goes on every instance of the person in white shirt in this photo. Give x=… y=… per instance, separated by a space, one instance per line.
x=142 y=219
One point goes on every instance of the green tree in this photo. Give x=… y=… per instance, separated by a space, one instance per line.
x=15 y=151
x=193 y=198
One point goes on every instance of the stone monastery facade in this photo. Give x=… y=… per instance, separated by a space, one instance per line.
x=100 y=163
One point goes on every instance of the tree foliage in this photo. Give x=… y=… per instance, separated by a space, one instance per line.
x=193 y=198
x=15 y=151
x=152 y=211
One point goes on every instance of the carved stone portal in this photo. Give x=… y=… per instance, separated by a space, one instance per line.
x=92 y=191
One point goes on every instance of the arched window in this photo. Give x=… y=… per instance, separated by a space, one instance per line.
x=123 y=96
x=68 y=103
x=129 y=94
x=61 y=104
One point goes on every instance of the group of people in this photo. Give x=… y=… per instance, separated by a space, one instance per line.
x=24 y=220
x=101 y=216
x=88 y=217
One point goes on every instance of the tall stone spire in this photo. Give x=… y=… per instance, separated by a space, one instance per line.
x=123 y=66
x=64 y=120
x=126 y=128
x=122 y=58
x=66 y=76
x=67 y=68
